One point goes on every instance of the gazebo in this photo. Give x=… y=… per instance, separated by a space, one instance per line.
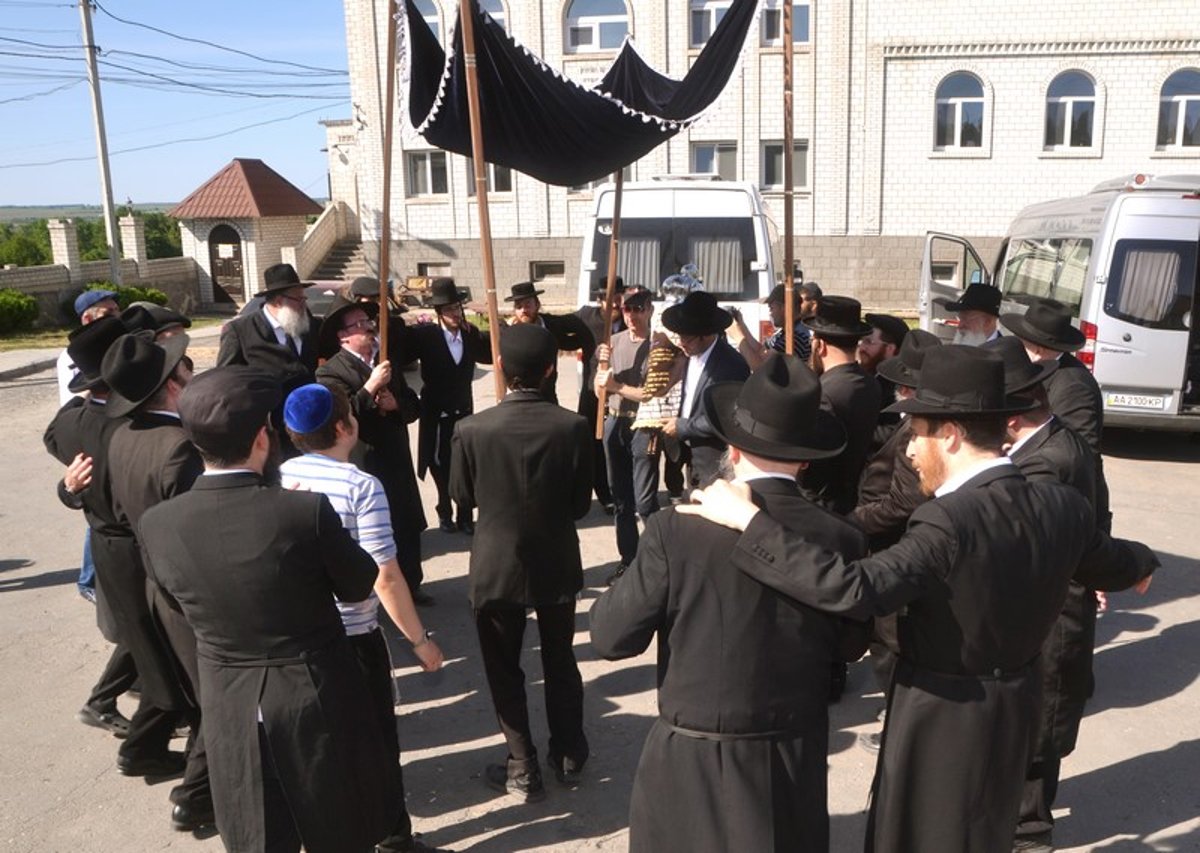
x=235 y=225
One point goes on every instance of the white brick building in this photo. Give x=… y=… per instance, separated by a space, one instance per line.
x=873 y=170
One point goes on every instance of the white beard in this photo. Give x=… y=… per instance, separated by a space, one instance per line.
x=294 y=323
x=970 y=339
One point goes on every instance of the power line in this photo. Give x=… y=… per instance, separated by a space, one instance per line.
x=215 y=89
x=223 y=69
x=33 y=95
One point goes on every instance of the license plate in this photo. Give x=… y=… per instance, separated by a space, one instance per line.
x=1136 y=401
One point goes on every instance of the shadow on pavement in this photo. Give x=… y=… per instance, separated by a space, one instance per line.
x=55 y=578
x=1160 y=446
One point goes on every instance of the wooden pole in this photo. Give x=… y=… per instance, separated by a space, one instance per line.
x=609 y=288
x=481 y=192
x=788 y=215
x=385 y=225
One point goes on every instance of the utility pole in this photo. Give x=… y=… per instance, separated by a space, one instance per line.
x=106 y=195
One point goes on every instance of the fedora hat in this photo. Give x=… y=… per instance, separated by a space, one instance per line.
x=905 y=367
x=86 y=348
x=146 y=316
x=977 y=297
x=1020 y=373
x=135 y=367
x=522 y=290
x=697 y=314
x=776 y=413
x=959 y=382
x=327 y=338
x=602 y=291
x=1046 y=322
x=443 y=292
x=280 y=277
x=838 y=317
x=891 y=328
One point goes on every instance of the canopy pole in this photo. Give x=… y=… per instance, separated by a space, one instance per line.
x=789 y=260
x=385 y=225
x=467 y=23
x=609 y=291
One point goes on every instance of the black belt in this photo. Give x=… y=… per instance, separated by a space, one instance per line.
x=724 y=737
x=630 y=415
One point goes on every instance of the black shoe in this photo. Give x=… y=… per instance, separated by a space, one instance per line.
x=467 y=526
x=408 y=844
x=1037 y=843
x=871 y=742
x=616 y=576
x=191 y=818
x=111 y=721
x=170 y=764
x=609 y=507
x=422 y=599
x=567 y=771
x=526 y=786
x=446 y=525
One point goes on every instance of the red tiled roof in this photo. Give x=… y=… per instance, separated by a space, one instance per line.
x=245 y=189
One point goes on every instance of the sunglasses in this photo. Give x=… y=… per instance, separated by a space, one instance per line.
x=365 y=325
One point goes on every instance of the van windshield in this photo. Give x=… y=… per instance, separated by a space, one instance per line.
x=652 y=249
x=1053 y=268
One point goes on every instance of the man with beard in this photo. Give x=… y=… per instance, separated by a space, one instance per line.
x=982 y=573
x=742 y=671
x=978 y=311
x=151 y=460
x=383 y=406
x=569 y=331
x=810 y=296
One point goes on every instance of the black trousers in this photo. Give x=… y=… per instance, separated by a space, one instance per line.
x=408 y=554
x=673 y=473
x=501 y=629
x=120 y=673
x=589 y=404
x=1037 y=798
x=282 y=835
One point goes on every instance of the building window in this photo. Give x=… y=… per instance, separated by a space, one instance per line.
x=427 y=173
x=1070 y=111
x=772 y=24
x=428 y=11
x=594 y=25
x=772 y=165
x=959 y=109
x=715 y=158
x=1179 y=110
x=496 y=9
x=434 y=270
x=499 y=178
x=703 y=17
x=548 y=272
x=626 y=174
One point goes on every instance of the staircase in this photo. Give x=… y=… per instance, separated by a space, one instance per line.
x=345 y=262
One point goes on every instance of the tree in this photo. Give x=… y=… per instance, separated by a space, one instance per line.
x=162 y=236
x=26 y=244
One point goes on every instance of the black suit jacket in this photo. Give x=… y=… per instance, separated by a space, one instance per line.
x=1075 y=399
x=889 y=491
x=81 y=426
x=593 y=317
x=527 y=464
x=152 y=461
x=570 y=333
x=249 y=339
x=854 y=398
x=725 y=364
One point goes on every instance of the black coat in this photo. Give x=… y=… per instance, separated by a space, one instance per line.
x=249 y=339
x=984 y=572
x=725 y=364
x=738 y=660
x=593 y=317
x=384 y=449
x=1057 y=454
x=1076 y=400
x=854 y=399
x=445 y=386
x=256 y=569
x=570 y=333
x=527 y=464
x=889 y=491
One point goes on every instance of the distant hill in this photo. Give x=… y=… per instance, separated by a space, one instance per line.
x=27 y=213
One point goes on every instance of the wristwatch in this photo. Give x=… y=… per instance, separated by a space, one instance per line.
x=425 y=638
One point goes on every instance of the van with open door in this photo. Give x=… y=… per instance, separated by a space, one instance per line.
x=1124 y=259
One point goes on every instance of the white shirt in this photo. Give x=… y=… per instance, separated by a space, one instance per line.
x=1019 y=443
x=955 y=482
x=280 y=334
x=66 y=370
x=455 y=342
x=690 y=382
x=764 y=475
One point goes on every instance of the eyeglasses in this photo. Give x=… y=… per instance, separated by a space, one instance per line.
x=365 y=325
x=299 y=300
x=633 y=309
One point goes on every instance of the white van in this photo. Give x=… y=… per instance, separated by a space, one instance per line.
x=723 y=227
x=1124 y=258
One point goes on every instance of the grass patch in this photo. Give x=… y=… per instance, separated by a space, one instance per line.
x=57 y=338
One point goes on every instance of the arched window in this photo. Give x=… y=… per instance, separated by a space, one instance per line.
x=1070 y=111
x=594 y=25
x=959 y=112
x=1179 y=110
x=496 y=9
x=429 y=13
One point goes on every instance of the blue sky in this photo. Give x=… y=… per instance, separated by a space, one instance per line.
x=37 y=125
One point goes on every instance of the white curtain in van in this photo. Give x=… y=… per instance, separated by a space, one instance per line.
x=1148 y=285
x=638 y=262
x=720 y=262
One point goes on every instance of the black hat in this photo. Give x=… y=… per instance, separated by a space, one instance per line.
x=697 y=314
x=1020 y=373
x=444 y=292
x=779 y=294
x=227 y=401
x=602 y=290
x=327 y=338
x=365 y=285
x=959 y=382
x=280 y=277
x=977 y=297
x=135 y=367
x=1046 y=322
x=776 y=413
x=527 y=348
x=838 y=317
x=893 y=328
x=522 y=290
x=146 y=316
x=905 y=368
x=86 y=348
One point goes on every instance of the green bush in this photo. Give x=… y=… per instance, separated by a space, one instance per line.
x=17 y=311
x=128 y=294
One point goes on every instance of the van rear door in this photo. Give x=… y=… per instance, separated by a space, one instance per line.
x=949 y=265
x=1146 y=301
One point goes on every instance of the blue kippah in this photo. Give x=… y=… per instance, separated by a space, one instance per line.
x=308 y=408
x=88 y=298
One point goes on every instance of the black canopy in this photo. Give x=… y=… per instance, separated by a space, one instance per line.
x=541 y=123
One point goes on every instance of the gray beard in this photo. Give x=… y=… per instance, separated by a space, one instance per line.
x=725 y=467
x=970 y=339
x=294 y=323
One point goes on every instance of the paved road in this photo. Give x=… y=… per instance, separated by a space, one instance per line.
x=1131 y=786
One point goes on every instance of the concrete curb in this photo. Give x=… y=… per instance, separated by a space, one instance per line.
x=27 y=369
